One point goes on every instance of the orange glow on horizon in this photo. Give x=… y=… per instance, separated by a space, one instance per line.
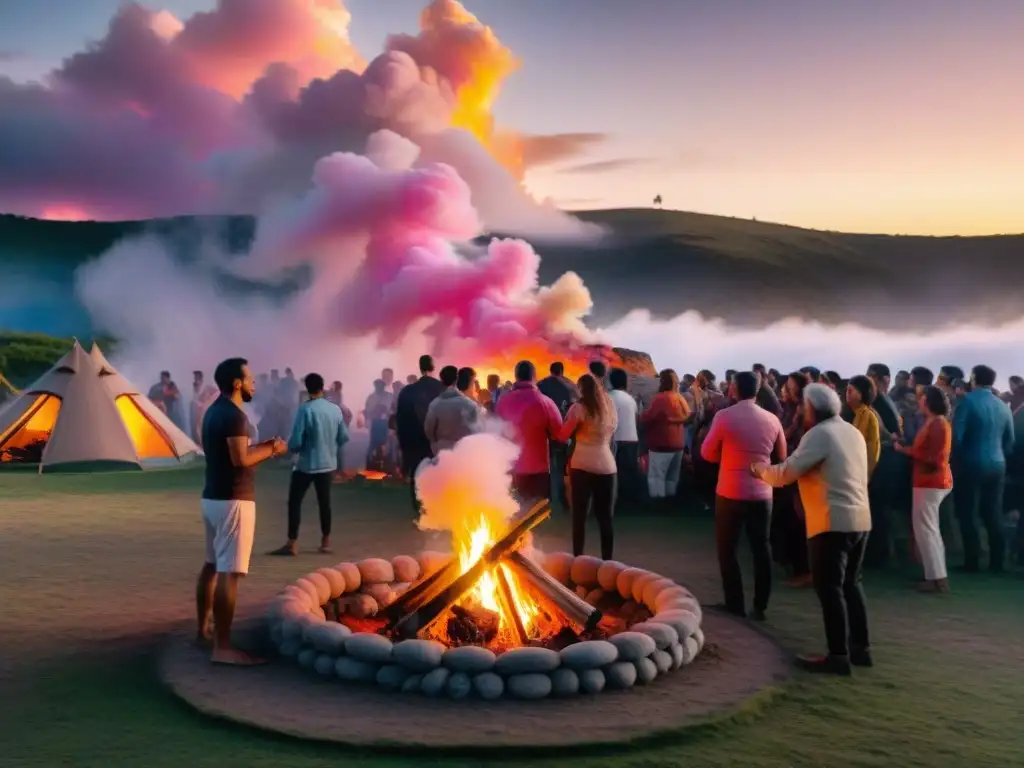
x=64 y=212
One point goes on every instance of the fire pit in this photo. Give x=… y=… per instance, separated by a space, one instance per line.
x=497 y=618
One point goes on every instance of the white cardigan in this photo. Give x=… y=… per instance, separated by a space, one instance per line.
x=830 y=466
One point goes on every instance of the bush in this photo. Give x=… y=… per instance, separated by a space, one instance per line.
x=24 y=357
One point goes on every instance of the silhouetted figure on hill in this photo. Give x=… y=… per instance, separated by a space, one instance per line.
x=657 y=201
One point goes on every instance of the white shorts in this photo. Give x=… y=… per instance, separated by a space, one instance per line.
x=230 y=529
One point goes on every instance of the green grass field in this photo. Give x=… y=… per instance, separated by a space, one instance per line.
x=96 y=568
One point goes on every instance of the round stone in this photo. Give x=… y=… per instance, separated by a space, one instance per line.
x=406 y=568
x=530 y=686
x=382 y=593
x=418 y=655
x=525 y=661
x=292 y=629
x=646 y=671
x=641 y=582
x=608 y=574
x=323 y=586
x=678 y=653
x=291 y=648
x=355 y=671
x=565 y=682
x=324 y=665
x=592 y=680
x=297 y=595
x=621 y=674
x=584 y=570
x=292 y=608
x=667 y=596
x=276 y=634
x=662 y=634
x=432 y=562
x=582 y=592
x=632 y=646
x=653 y=588
x=361 y=606
x=471 y=659
x=318 y=613
x=435 y=682
x=375 y=570
x=628 y=608
x=691 y=650
x=310 y=589
x=624 y=581
x=595 y=596
x=559 y=566
x=687 y=604
x=412 y=684
x=590 y=654
x=335 y=579
x=683 y=622
x=309 y=632
x=307 y=658
x=350 y=572
x=698 y=637
x=663 y=661
x=488 y=686
x=368 y=647
x=458 y=686
x=331 y=637
x=392 y=677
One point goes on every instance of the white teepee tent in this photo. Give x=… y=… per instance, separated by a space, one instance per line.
x=84 y=415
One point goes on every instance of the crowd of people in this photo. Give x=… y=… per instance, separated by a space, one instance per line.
x=813 y=468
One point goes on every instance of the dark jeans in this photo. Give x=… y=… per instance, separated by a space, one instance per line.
x=979 y=492
x=558 y=454
x=627 y=458
x=321 y=482
x=731 y=518
x=595 y=493
x=410 y=462
x=836 y=563
x=532 y=487
x=788 y=531
x=891 y=474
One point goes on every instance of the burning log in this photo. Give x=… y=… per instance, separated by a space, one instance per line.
x=472 y=626
x=449 y=592
x=575 y=608
x=508 y=605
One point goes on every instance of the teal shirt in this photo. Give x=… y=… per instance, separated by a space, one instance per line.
x=318 y=436
x=982 y=431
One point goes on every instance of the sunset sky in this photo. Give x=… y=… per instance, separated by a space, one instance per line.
x=900 y=116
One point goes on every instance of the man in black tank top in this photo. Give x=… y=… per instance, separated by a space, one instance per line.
x=229 y=507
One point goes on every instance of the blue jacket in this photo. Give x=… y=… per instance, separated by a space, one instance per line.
x=318 y=436
x=982 y=431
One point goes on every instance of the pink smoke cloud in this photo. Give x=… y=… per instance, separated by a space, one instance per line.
x=227 y=111
x=406 y=269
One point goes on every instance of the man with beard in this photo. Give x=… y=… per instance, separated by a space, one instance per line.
x=410 y=416
x=229 y=507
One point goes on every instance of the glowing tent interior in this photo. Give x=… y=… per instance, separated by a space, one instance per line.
x=83 y=415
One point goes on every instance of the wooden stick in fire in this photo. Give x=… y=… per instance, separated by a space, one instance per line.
x=419 y=619
x=508 y=604
x=427 y=589
x=561 y=597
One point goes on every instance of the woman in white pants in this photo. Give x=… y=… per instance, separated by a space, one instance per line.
x=932 y=483
x=664 y=424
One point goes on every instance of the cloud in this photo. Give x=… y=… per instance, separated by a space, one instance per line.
x=548 y=149
x=607 y=166
x=8 y=55
x=229 y=110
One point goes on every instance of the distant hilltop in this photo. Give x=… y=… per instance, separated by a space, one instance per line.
x=748 y=273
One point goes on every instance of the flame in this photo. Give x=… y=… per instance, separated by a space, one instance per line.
x=542 y=354
x=370 y=474
x=471 y=546
x=484 y=64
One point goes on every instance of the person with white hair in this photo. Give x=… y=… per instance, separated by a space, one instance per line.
x=830 y=467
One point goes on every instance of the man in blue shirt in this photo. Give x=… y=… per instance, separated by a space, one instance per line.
x=982 y=439
x=318 y=437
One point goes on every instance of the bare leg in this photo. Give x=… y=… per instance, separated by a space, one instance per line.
x=204 y=603
x=223 y=614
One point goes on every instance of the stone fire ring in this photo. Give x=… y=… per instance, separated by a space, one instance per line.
x=672 y=638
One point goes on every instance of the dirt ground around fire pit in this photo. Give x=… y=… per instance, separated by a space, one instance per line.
x=95 y=571
x=738 y=662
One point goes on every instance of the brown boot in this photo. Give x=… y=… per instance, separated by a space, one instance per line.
x=942 y=585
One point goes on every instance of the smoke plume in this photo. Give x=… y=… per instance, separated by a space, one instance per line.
x=228 y=111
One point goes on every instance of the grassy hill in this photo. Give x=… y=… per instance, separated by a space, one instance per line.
x=746 y=272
